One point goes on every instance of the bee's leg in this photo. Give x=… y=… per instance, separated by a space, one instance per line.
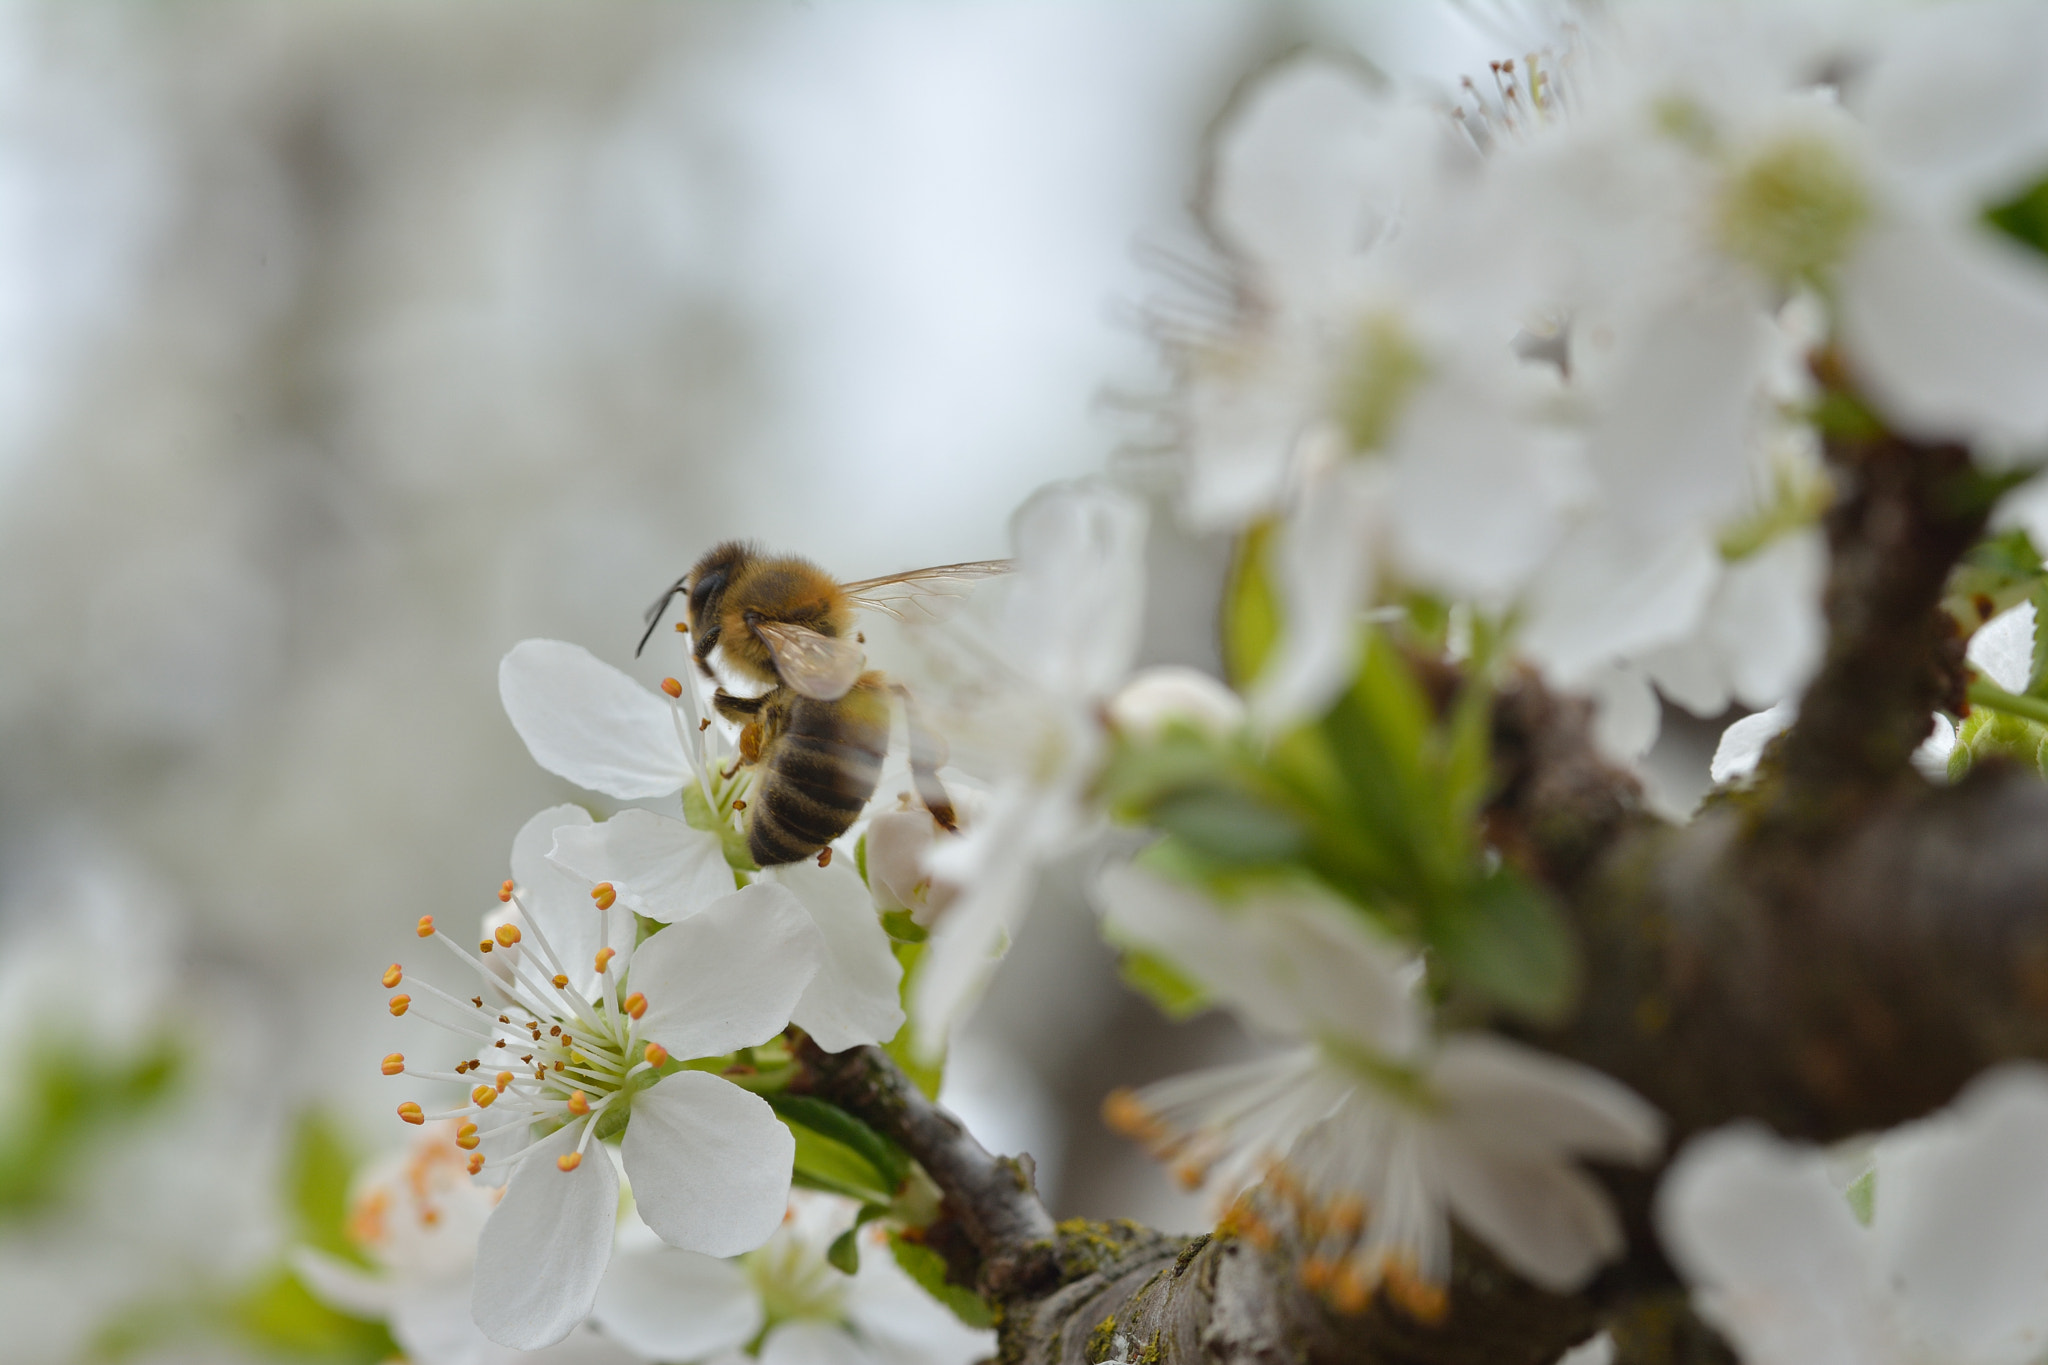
x=701 y=651
x=927 y=754
x=739 y=710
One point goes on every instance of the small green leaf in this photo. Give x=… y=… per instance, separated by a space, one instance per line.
x=828 y=1120
x=844 y=1253
x=1508 y=942
x=320 y=1167
x=2024 y=217
x=1163 y=984
x=1251 y=608
x=928 y=1268
x=925 y=1075
x=1862 y=1196
x=903 y=927
x=1230 y=826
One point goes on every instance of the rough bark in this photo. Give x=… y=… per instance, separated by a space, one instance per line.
x=1836 y=950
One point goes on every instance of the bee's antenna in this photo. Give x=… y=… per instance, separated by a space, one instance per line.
x=654 y=612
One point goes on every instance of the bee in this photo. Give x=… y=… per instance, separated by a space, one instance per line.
x=820 y=730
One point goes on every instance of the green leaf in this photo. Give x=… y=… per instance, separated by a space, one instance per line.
x=282 y=1318
x=925 y=1075
x=1163 y=984
x=1996 y=573
x=822 y=1164
x=1230 y=826
x=928 y=1268
x=318 y=1171
x=2024 y=218
x=884 y=1157
x=1509 y=944
x=66 y=1098
x=1251 y=608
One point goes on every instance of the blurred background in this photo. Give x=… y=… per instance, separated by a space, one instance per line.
x=346 y=345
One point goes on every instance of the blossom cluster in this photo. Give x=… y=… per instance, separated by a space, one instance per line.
x=1535 y=374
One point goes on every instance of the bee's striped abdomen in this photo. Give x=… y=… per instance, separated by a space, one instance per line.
x=818 y=774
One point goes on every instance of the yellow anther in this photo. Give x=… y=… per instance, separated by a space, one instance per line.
x=394 y=1064
x=393 y=975
x=506 y=934
x=505 y=890
x=682 y=627
x=560 y=980
x=604 y=959
x=1347 y=1215
x=1425 y=1302
x=482 y=1096
x=1318 y=1273
x=504 y=1079
x=466 y=1138
x=704 y=724
x=604 y=894
x=400 y=1004
x=1352 y=1292
x=672 y=687
x=656 y=1054
x=483 y=946
x=476 y=1162
x=410 y=1112
x=636 y=1004
x=579 y=1103
x=568 y=1161
x=425 y=928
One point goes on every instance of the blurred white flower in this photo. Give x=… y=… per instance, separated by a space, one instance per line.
x=1371 y=1135
x=1067 y=636
x=575 y=1046
x=1950 y=1267
x=2002 y=649
x=1156 y=698
x=781 y=1303
x=415 y=1216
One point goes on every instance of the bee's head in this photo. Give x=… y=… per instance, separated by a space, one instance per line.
x=709 y=578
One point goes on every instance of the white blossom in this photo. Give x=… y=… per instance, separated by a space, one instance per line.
x=1368 y=1135
x=1950 y=1267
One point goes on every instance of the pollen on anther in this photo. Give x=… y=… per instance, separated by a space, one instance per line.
x=411 y=1113
x=466 y=1138
x=483 y=1096
x=825 y=856
x=568 y=1161
x=484 y=946
x=604 y=958
x=425 y=928
x=656 y=1054
x=672 y=687
x=604 y=894
x=560 y=980
x=393 y=975
x=704 y=724
x=504 y=1079
x=476 y=1162
x=400 y=1004
x=506 y=934
x=394 y=1064
x=682 y=627
x=636 y=1004
x=739 y=805
x=579 y=1103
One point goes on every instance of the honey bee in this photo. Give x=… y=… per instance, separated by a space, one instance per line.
x=820 y=731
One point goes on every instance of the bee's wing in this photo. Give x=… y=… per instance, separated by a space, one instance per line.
x=820 y=666
x=922 y=591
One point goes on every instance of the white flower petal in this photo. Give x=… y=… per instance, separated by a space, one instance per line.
x=1961 y=1222
x=1773 y=1254
x=897 y=843
x=1299 y=181
x=1324 y=579
x=661 y=868
x=710 y=1163
x=1611 y=592
x=1541 y=1105
x=1076 y=603
x=1547 y=1220
x=855 y=997
x=813 y=1343
x=585 y=720
x=558 y=902
x=1287 y=964
x=1948 y=329
x=677 y=1305
x=1931 y=758
x=1956 y=103
x=345 y=1286
x=2003 y=648
x=1626 y=716
x=727 y=977
x=1170 y=694
x=545 y=1247
x=1743 y=743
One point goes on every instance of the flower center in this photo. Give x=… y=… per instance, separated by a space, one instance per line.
x=545 y=1058
x=1793 y=210
x=1384 y=369
x=794 y=1281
